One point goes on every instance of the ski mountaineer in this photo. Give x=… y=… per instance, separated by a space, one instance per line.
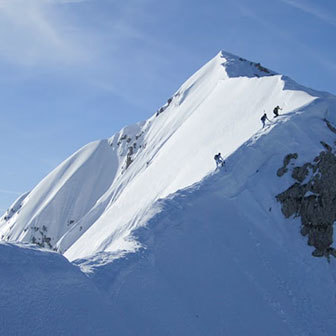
x=263 y=119
x=219 y=160
x=276 y=111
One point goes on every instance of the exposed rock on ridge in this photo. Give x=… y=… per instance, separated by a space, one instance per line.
x=313 y=198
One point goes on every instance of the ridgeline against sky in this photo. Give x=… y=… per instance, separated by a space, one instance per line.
x=94 y=200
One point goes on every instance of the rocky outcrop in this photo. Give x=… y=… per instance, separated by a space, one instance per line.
x=129 y=157
x=300 y=173
x=331 y=127
x=164 y=107
x=313 y=198
x=281 y=171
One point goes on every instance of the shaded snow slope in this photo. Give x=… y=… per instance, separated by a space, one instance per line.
x=93 y=201
x=41 y=293
x=63 y=197
x=219 y=257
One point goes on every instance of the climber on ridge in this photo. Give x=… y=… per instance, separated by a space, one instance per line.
x=263 y=119
x=276 y=111
x=219 y=160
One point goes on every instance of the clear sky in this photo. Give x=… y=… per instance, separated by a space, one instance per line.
x=73 y=71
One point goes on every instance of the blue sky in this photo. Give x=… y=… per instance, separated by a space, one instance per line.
x=75 y=71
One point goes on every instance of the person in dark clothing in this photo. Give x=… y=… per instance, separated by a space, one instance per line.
x=219 y=160
x=263 y=119
x=276 y=111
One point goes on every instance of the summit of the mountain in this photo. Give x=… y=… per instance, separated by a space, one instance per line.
x=236 y=66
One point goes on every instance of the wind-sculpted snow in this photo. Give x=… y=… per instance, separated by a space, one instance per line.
x=41 y=293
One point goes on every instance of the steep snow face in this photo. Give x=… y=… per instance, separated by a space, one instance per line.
x=94 y=200
x=63 y=197
x=219 y=256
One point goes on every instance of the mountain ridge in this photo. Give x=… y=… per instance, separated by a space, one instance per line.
x=135 y=158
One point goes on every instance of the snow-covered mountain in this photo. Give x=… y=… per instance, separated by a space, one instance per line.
x=94 y=200
x=219 y=256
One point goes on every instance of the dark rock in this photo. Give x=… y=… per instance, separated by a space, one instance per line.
x=129 y=157
x=281 y=171
x=326 y=146
x=304 y=230
x=332 y=129
x=300 y=173
x=317 y=209
x=161 y=109
x=261 y=68
x=139 y=135
x=317 y=253
x=291 y=200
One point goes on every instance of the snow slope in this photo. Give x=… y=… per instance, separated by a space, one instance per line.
x=220 y=259
x=41 y=293
x=93 y=201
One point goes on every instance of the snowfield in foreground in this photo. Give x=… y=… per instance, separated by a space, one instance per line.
x=209 y=252
x=41 y=293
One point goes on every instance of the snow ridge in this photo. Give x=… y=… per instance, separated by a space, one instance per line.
x=93 y=201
